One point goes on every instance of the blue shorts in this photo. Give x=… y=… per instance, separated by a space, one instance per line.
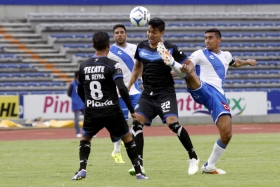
x=134 y=100
x=212 y=99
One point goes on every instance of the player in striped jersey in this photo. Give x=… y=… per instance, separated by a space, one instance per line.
x=205 y=73
x=123 y=52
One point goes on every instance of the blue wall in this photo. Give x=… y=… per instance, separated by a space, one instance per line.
x=136 y=2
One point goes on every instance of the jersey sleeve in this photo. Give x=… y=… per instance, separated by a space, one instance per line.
x=178 y=55
x=229 y=58
x=136 y=56
x=117 y=71
x=195 y=57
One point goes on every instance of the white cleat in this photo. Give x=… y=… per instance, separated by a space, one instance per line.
x=193 y=167
x=212 y=170
x=164 y=54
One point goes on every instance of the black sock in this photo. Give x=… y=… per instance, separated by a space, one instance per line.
x=137 y=134
x=84 y=153
x=132 y=154
x=184 y=138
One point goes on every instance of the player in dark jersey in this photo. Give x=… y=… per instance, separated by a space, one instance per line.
x=98 y=78
x=158 y=97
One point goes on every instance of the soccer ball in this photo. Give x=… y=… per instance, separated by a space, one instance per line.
x=139 y=16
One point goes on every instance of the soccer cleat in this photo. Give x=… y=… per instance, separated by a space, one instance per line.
x=193 y=167
x=141 y=177
x=80 y=175
x=164 y=54
x=79 y=135
x=117 y=157
x=211 y=170
x=133 y=173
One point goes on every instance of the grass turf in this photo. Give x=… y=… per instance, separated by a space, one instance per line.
x=250 y=160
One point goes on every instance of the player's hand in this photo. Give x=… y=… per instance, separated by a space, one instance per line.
x=187 y=67
x=164 y=54
x=251 y=62
x=134 y=116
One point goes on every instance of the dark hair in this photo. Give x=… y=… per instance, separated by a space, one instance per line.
x=100 y=40
x=117 y=26
x=216 y=31
x=157 y=23
x=76 y=74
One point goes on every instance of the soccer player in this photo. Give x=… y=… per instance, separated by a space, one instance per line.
x=98 y=78
x=123 y=52
x=158 y=96
x=77 y=104
x=204 y=73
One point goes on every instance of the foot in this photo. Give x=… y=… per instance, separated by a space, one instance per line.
x=211 y=170
x=80 y=175
x=164 y=54
x=141 y=176
x=133 y=173
x=117 y=157
x=193 y=167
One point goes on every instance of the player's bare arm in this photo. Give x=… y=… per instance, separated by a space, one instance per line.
x=136 y=72
x=240 y=62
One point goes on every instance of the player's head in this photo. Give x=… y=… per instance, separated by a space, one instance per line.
x=101 y=41
x=119 y=32
x=155 y=31
x=212 y=39
x=76 y=74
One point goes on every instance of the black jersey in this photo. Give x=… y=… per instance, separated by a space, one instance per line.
x=156 y=75
x=97 y=76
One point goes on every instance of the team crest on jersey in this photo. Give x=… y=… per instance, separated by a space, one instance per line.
x=211 y=56
x=117 y=65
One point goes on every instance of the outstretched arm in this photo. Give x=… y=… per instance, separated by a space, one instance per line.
x=240 y=62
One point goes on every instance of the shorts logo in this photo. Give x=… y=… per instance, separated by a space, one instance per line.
x=225 y=106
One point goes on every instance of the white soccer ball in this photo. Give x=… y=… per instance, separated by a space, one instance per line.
x=139 y=16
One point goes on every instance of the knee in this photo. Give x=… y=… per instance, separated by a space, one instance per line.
x=226 y=136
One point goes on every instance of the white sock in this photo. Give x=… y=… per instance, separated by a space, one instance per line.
x=117 y=147
x=218 y=149
x=176 y=68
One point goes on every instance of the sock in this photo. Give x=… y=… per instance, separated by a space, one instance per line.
x=137 y=134
x=117 y=146
x=133 y=155
x=84 y=153
x=184 y=138
x=218 y=149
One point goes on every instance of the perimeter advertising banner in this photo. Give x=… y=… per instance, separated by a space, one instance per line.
x=47 y=107
x=9 y=107
x=59 y=106
x=240 y=103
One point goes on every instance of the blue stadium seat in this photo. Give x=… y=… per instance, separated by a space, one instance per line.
x=237 y=81
x=187 y=24
x=272 y=53
x=258 y=35
x=210 y=24
x=233 y=24
x=268 y=24
x=17 y=74
x=224 y=44
x=22 y=84
x=174 y=24
x=230 y=35
x=260 y=53
x=274 y=71
x=85 y=55
x=263 y=81
x=245 y=24
x=259 y=44
x=262 y=72
x=62 y=35
x=272 y=34
x=198 y=24
x=247 y=44
x=32 y=84
x=234 y=45
x=274 y=81
x=198 y=35
x=188 y=35
x=257 y=24
x=246 y=35
x=250 y=81
x=222 y=24
x=273 y=44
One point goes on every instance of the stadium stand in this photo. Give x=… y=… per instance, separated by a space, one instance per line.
x=41 y=54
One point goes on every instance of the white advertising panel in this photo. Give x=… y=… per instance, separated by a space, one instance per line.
x=47 y=107
x=240 y=103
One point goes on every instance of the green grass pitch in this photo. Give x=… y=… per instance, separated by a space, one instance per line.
x=250 y=160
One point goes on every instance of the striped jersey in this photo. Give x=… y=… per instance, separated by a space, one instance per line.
x=211 y=68
x=125 y=56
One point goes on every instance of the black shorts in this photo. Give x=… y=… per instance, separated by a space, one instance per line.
x=163 y=104
x=114 y=122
